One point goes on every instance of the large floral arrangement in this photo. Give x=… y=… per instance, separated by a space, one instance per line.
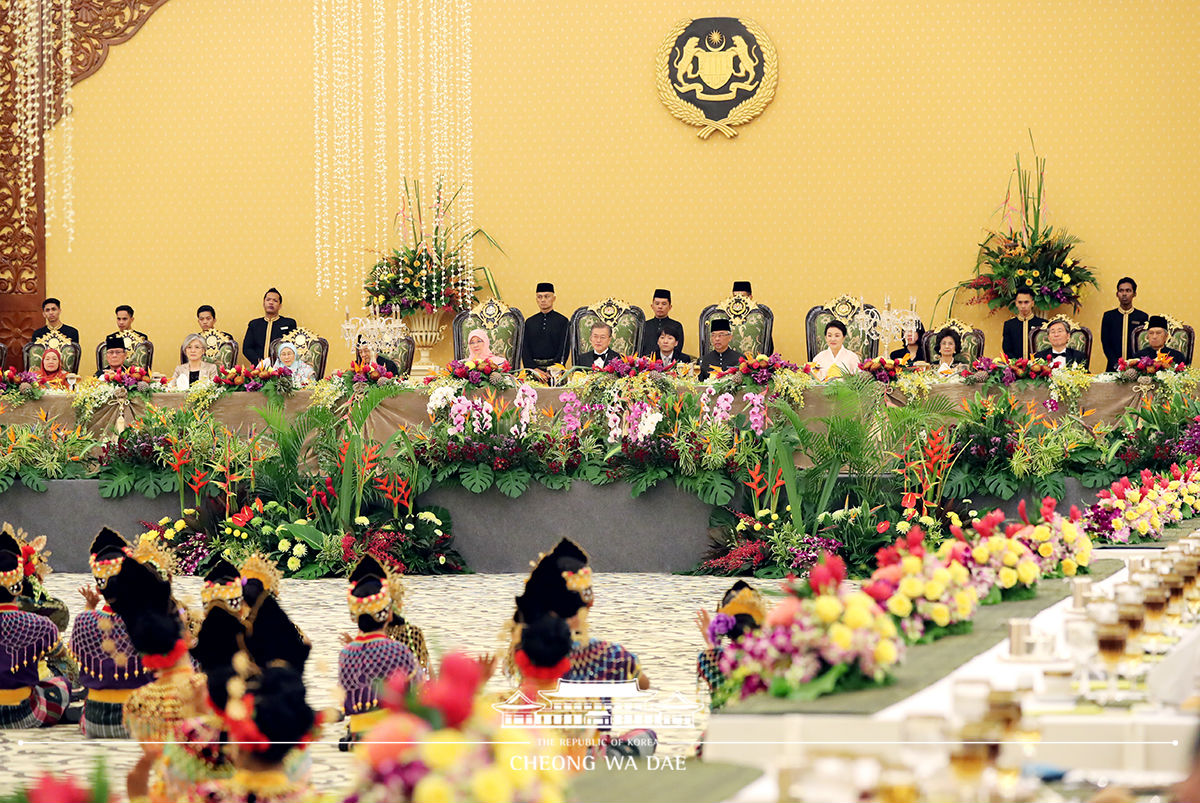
x=1005 y=371
x=823 y=637
x=1029 y=254
x=632 y=366
x=884 y=369
x=930 y=595
x=251 y=378
x=1125 y=512
x=1002 y=566
x=757 y=371
x=1145 y=369
x=430 y=271
x=365 y=374
x=133 y=377
x=19 y=386
x=443 y=742
x=477 y=373
x=1058 y=542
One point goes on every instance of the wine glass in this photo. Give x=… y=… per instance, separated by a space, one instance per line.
x=1080 y=637
x=1110 y=642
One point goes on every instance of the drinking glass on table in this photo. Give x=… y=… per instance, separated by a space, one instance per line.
x=897 y=785
x=924 y=743
x=977 y=749
x=1110 y=641
x=1080 y=638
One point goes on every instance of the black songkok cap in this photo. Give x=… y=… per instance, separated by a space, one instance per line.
x=660 y=293
x=114 y=342
x=544 y=287
x=719 y=325
x=1157 y=321
x=741 y=287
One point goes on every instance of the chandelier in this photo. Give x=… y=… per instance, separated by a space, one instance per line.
x=382 y=334
x=887 y=324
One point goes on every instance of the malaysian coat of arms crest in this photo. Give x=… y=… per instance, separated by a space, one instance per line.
x=716 y=73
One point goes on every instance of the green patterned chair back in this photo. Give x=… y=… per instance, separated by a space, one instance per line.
x=972 y=340
x=310 y=347
x=505 y=327
x=403 y=355
x=750 y=325
x=140 y=354
x=1180 y=336
x=219 y=350
x=31 y=355
x=841 y=309
x=1080 y=337
x=625 y=319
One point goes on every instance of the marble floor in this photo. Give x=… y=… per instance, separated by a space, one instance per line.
x=650 y=614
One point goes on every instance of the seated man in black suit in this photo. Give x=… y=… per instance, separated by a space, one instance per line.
x=114 y=354
x=600 y=354
x=720 y=357
x=1060 y=354
x=1156 y=341
x=669 y=349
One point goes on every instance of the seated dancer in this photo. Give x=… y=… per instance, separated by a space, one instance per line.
x=600 y=354
x=51 y=373
x=561 y=584
x=720 y=357
x=479 y=348
x=742 y=610
x=371 y=656
x=109 y=667
x=1060 y=354
x=836 y=360
x=670 y=341
x=27 y=700
x=288 y=357
x=222 y=582
x=1156 y=341
x=914 y=347
x=259 y=574
x=365 y=356
x=34 y=597
x=404 y=631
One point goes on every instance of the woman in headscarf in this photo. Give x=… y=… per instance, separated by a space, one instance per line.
x=189 y=373
x=288 y=357
x=50 y=372
x=479 y=348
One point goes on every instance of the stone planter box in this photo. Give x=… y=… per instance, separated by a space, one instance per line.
x=1073 y=494
x=71 y=512
x=663 y=530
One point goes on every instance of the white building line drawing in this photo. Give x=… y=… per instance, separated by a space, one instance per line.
x=616 y=705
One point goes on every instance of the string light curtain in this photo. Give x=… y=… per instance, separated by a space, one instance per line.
x=392 y=100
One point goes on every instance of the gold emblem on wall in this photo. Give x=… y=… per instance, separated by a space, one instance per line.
x=716 y=73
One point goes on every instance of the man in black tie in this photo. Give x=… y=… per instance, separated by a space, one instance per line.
x=51 y=310
x=546 y=331
x=261 y=331
x=1156 y=341
x=720 y=357
x=1060 y=354
x=660 y=305
x=1015 y=342
x=600 y=354
x=1117 y=324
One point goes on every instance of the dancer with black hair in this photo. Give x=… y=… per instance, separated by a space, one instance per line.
x=742 y=610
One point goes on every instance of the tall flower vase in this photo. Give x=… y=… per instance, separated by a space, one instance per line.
x=427 y=330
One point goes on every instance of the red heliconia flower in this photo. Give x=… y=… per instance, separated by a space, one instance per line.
x=1049 y=504
x=878 y=590
x=1011 y=530
x=1021 y=511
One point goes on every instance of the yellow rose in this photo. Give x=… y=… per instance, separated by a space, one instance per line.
x=959 y=573
x=885 y=625
x=443 y=749
x=997 y=543
x=857 y=617
x=912 y=587
x=899 y=605
x=1041 y=533
x=1046 y=550
x=885 y=652
x=841 y=635
x=980 y=554
x=963 y=603
x=433 y=789
x=828 y=608
x=1131 y=514
x=491 y=785
x=1007 y=577
x=1143 y=527
x=1069 y=529
x=1069 y=567
x=164 y=521
x=942 y=575
x=940 y=614
x=1028 y=572
x=934 y=590
x=1083 y=558
x=861 y=598
x=911 y=564
x=1011 y=558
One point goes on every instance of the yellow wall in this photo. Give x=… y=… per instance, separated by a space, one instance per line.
x=886 y=150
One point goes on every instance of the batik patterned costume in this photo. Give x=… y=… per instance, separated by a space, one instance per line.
x=410 y=636
x=272 y=786
x=366 y=662
x=109 y=668
x=27 y=700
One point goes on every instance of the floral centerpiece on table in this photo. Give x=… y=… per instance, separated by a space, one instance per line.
x=1126 y=513
x=133 y=377
x=19 y=386
x=443 y=741
x=885 y=369
x=755 y=371
x=1028 y=254
x=241 y=378
x=431 y=271
x=1002 y=566
x=1005 y=371
x=632 y=366
x=1058 y=542
x=1144 y=370
x=473 y=373
x=363 y=375
x=822 y=638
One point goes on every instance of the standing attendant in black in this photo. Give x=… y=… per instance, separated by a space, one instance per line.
x=1016 y=330
x=660 y=305
x=1117 y=323
x=720 y=357
x=261 y=331
x=51 y=309
x=545 y=338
